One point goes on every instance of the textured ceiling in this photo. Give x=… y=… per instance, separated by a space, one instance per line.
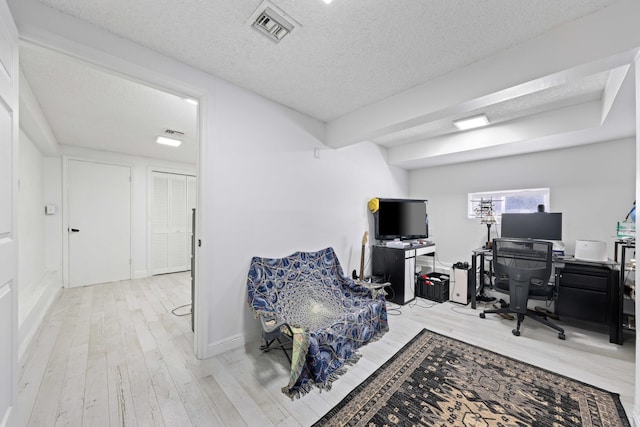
x=90 y=108
x=344 y=55
x=338 y=60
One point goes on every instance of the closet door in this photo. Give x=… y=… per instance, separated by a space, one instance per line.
x=178 y=259
x=171 y=222
x=160 y=224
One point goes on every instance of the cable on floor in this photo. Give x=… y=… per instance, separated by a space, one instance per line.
x=178 y=308
x=459 y=310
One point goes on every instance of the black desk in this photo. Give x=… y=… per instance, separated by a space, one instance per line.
x=482 y=254
x=587 y=290
x=628 y=302
x=591 y=291
x=398 y=266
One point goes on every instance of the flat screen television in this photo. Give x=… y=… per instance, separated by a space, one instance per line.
x=537 y=225
x=403 y=219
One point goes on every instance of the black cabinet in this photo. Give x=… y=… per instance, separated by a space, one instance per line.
x=591 y=292
x=398 y=267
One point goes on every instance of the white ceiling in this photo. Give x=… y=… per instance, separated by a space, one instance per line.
x=90 y=108
x=340 y=59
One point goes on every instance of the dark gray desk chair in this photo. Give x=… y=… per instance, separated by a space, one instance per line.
x=523 y=269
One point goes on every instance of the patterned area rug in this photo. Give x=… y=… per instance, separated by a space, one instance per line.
x=439 y=381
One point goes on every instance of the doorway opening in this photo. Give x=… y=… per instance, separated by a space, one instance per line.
x=100 y=126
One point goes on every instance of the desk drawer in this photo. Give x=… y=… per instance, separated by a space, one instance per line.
x=583 y=281
x=582 y=304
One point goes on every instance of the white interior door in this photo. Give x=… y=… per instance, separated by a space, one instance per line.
x=178 y=260
x=8 y=214
x=173 y=199
x=99 y=203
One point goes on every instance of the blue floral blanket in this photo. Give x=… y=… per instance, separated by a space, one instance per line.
x=329 y=314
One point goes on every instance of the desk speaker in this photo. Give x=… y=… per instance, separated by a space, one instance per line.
x=591 y=250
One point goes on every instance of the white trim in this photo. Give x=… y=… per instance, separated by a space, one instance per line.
x=65 y=211
x=166 y=169
x=5 y=289
x=222 y=346
x=140 y=274
x=46 y=27
x=7 y=416
x=10 y=241
x=39 y=311
x=201 y=305
x=636 y=70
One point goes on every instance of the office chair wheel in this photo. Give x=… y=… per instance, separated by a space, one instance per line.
x=482 y=315
x=561 y=336
x=516 y=332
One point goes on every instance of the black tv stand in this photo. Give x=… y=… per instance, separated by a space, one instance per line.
x=398 y=266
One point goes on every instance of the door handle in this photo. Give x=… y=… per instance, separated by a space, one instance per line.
x=74 y=230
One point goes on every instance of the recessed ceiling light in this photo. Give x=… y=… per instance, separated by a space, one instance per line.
x=172 y=142
x=191 y=101
x=471 y=122
x=327 y=1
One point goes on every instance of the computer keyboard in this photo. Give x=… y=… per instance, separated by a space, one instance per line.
x=522 y=252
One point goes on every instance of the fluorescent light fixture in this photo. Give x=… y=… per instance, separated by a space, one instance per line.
x=327 y=1
x=471 y=122
x=191 y=101
x=168 y=141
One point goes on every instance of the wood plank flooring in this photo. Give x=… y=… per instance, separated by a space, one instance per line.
x=115 y=355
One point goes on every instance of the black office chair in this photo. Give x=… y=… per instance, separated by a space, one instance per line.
x=523 y=268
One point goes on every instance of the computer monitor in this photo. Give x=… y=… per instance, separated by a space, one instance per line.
x=538 y=225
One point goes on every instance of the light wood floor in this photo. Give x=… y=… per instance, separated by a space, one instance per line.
x=114 y=355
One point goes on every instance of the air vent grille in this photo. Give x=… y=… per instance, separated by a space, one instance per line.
x=272 y=25
x=173 y=133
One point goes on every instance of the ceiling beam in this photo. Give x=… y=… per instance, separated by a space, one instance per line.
x=533 y=127
x=33 y=122
x=561 y=128
x=601 y=41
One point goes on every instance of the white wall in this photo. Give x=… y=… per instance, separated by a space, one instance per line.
x=140 y=214
x=592 y=185
x=262 y=191
x=270 y=197
x=31 y=258
x=39 y=281
x=52 y=173
x=352 y=175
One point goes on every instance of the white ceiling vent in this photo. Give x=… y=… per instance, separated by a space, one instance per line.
x=173 y=133
x=272 y=24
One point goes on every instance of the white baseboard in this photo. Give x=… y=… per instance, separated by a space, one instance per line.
x=40 y=308
x=231 y=343
x=6 y=417
x=140 y=274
